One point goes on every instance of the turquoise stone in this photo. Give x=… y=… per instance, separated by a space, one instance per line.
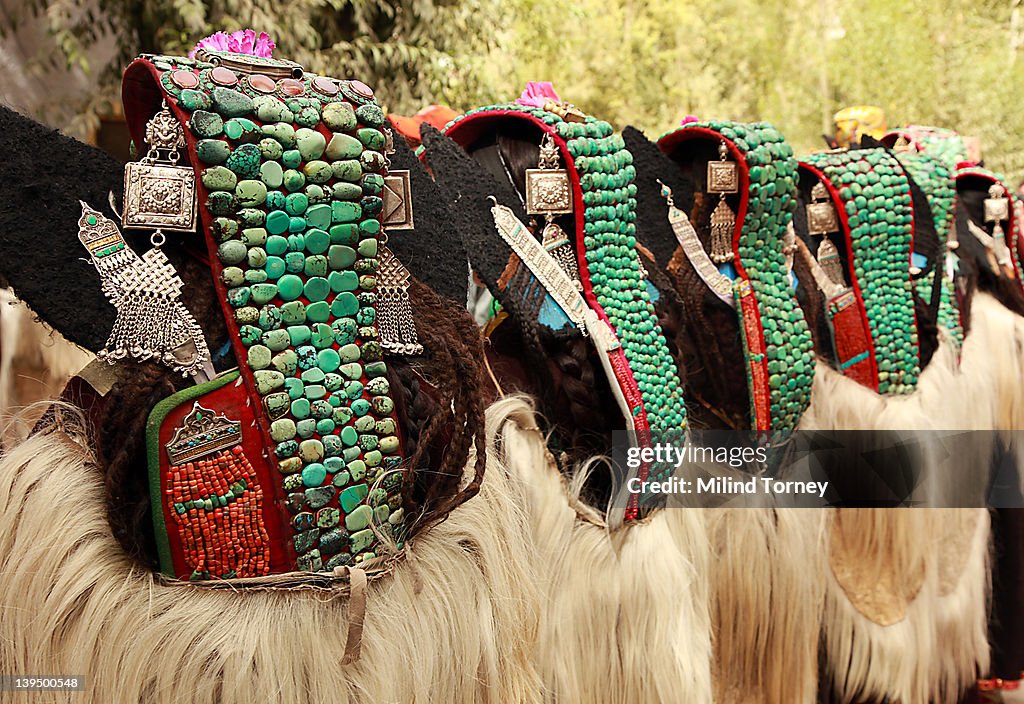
x=322 y=409
x=256 y=257
x=341 y=257
x=317 y=194
x=258 y=357
x=350 y=498
x=347 y=234
x=293 y=387
x=254 y=236
x=343 y=281
x=294 y=180
x=332 y=542
x=317 y=241
x=354 y=390
x=358 y=518
x=339 y=117
x=315 y=391
x=357 y=468
x=285 y=362
x=255 y=276
x=371 y=138
x=277 y=223
x=370 y=115
x=378 y=386
x=299 y=334
x=369 y=227
x=296 y=243
x=231 y=103
x=345 y=305
x=270 y=317
x=247 y=315
x=316 y=264
x=243 y=130
x=318 y=312
x=343 y=212
x=351 y=371
x=332 y=382
x=274 y=267
x=375 y=369
x=361 y=406
x=347 y=170
x=231 y=252
x=221 y=203
x=212 y=151
x=293 y=313
x=270 y=149
x=311 y=451
x=328 y=517
x=368 y=248
x=329 y=360
x=372 y=458
x=305 y=428
x=300 y=408
x=314 y=375
x=282 y=429
x=206 y=124
x=290 y=287
x=314 y=474
x=251 y=192
x=294 y=262
x=344 y=331
x=373 y=184
x=347 y=191
x=366 y=316
x=317 y=171
x=310 y=143
x=239 y=296
x=292 y=158
x=277 y=404
x=267 y=381
x=193 y=100
x=343 y=146
x=271 y=174
x=320 y=496
x=389 y=444
x=296 y=203
x=382 y=405
x=270 y=109
x=361 y=540
x=219 y=178
x=249 y=333
x=307 y=115
x=275 y=201
x=364 y=424
x=224 y=228
x=319 y=216
x=349 y=436
x=371 y=160
x=385 y=427
x=323 y=336
x=349 y=353
x=263 y=293
x=276 y=340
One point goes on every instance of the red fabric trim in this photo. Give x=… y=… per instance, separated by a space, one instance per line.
x=840 y=209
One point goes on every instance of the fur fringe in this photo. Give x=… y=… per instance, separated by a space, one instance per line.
x=625 y=617
x=455 y=622
x=941 y=587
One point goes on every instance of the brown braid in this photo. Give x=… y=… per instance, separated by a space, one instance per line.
x=123 y=453
x=453 y=367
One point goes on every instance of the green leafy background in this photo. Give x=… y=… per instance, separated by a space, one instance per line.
x=951 y=63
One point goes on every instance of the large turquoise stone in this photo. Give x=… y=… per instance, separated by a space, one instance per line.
x=206 y=124
x=271 y=174
x=347 y=170
x=212 y=151
x=270 y=109
x=251 y=192
x=343 y=281
x=231 y=103
x=290 y=287
x=339 y=117
x=219 y=178
x=351 y=498
x=243 y=130
x=310 y=143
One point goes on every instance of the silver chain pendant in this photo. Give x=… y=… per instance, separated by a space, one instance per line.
x=396 y=324
x=152 y=323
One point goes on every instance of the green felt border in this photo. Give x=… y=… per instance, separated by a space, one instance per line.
x=156 y=418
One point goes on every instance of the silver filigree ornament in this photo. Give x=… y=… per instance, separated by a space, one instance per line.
x=152 y=323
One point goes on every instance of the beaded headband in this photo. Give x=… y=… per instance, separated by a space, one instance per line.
x=754 y=176
x=868 y=195
x=596 y=173
x=1000 y=241
x=934 y=177
x=291 y=179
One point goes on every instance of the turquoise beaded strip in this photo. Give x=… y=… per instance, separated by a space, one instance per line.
x=876 y=196
x=606 y=174
x=936 y=180
x=293 y=180
x=771 y=201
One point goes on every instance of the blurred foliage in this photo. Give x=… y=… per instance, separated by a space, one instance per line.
x=953 y=63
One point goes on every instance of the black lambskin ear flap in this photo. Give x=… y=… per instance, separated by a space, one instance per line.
x=467 y=186
x=433 y=251
x=652 y=227
x=40 y=255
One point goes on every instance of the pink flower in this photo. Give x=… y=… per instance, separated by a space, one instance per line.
x=688 y=119
x=538 y=93
x=240 y=42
